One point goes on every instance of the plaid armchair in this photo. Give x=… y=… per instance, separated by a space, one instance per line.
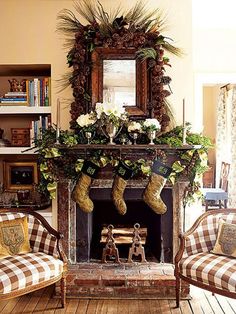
x=43 y=266
x=194 y=261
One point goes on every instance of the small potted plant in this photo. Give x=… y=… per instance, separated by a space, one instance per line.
x=151 y=126
x=87 y=123
x=134 y=128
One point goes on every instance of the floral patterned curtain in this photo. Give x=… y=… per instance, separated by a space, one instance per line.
x=226 y=138
x=232 y=177
x=221 y=135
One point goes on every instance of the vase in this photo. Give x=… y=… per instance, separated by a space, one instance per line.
x=111 y=131
x=151 y=136
x=134 y=136
x=88 y=136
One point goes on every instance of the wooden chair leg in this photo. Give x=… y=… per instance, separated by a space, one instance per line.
x=177 y=290
x=63 y=291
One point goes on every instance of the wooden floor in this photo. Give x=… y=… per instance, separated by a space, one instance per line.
x=41 y=302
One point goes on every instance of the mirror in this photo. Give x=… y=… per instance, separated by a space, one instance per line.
x=117 y=76
x=119 y=82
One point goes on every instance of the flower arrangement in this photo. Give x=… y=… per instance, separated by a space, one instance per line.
x=110 y=113
x=87 y=121
x=134 y=126
x=151 y=125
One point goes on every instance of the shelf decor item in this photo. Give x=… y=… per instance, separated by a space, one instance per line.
x=20 y=136
x=3 y=142
x=19 y=175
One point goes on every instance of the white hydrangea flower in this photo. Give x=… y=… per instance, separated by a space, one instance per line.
x=85 y=120
x=134 y=127
x=151 y=124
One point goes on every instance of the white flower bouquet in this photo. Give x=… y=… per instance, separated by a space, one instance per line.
x=134 y=126
x=110 y=113
x=87 y=121
x=151 y=125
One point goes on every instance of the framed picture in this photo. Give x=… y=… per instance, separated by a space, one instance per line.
x=19 y=175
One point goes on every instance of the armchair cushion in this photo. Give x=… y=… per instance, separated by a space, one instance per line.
x=14 y=237
x=203 y=238
x=210 y=269
x=25 y=270
x=226 y=239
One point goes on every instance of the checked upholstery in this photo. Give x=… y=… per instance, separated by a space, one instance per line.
x=44 y=265
x=194 y=261
x=24 y=270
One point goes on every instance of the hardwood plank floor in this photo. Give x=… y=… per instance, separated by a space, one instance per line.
x=202 y=302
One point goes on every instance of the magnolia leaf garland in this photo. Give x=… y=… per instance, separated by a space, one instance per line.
x=58 y=162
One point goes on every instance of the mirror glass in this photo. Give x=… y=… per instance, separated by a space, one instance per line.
x=119 y=82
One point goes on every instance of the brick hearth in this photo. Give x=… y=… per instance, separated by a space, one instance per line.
x=139 y=280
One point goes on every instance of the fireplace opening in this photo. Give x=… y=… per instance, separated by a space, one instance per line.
x=137 y=212
x=158 y=244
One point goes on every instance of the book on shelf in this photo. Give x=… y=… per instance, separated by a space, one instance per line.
x=12 y=99
x=38 y=126
x=38 y=92
x=15 y=94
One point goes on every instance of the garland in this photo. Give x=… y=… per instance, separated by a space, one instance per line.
x=60 y=162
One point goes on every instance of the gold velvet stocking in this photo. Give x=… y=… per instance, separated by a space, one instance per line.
x=118 y=189
x=80 y=193
x=151 y=194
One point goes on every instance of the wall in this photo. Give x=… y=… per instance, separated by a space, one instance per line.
x=210 y=98
x=28 y=35
x=214 y=48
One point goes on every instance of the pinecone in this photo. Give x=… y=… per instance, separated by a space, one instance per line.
x=166 y=80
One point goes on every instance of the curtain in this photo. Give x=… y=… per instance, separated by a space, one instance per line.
x=232 y=176
x=226 y=138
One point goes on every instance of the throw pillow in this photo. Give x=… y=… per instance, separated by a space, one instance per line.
x=226 y=239
x=14 y=237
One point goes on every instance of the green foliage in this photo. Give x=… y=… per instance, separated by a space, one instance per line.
x=146 y=53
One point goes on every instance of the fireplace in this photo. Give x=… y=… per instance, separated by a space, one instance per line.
x=158 y=244
x=87 y=276
x=82 y=231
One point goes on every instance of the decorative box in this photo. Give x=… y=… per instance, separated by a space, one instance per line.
x=20 y=137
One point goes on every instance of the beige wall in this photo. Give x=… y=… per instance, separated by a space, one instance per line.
x=210 y=99
x=28 y=35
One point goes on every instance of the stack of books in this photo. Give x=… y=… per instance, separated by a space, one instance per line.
x=14 y=98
